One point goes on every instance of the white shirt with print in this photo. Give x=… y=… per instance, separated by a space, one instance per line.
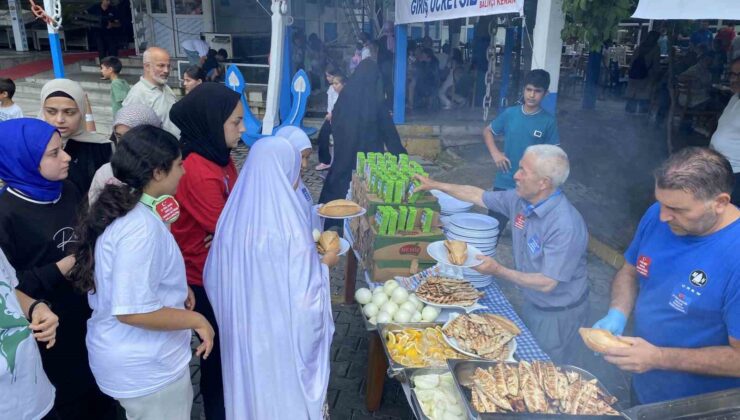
x=25 y=391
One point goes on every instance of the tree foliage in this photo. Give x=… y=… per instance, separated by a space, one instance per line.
x=594 y=21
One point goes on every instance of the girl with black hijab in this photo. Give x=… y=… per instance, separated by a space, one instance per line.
x=360 y=123
x=210 y=121
x=63 y=106
x=38 y=210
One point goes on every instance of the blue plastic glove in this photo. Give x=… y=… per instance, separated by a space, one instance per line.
x=614 y=321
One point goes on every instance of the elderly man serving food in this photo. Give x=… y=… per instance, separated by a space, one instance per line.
x=549 y=246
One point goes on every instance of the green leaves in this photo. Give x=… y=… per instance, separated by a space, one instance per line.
x=594 y=21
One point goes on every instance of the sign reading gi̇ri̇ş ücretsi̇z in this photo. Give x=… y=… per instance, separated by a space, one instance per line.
x=411 y=11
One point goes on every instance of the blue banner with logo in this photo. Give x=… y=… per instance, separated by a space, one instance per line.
x=413 y=11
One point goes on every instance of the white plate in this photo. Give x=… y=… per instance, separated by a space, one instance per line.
x=343 y=246
x=453 y=343
x=468 y=309
x=351 y=216
x=438 y=251
x=474 y=221
x=488 y=240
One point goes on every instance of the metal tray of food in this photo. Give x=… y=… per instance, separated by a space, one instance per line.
x=462 y=372
x=721 y=405
x=396 y=369
x=415 y=404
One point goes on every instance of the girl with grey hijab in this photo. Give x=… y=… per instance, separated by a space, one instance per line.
x=128 y=117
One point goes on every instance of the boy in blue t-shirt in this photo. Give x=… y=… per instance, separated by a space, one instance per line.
x=521 y=126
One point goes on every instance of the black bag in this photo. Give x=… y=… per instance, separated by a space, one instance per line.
x=638 y=68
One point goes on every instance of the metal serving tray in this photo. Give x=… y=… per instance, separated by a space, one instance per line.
x=395 y=369
x=721 y=405
x=462 y=371
x=411 y=374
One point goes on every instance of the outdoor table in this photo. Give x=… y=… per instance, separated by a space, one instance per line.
x=377 y=366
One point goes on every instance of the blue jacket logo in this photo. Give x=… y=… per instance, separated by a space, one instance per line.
x=698 y=278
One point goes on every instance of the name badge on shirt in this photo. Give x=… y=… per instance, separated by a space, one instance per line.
x=643 y=265
x=534 y=244
x=537 y=133
x=519 y=221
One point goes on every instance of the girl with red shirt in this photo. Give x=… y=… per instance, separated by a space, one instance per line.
x=210 y=121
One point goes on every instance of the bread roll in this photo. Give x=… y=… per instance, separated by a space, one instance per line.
x=600 y=340
x=339 y=208
x=329 y=241
x=457 y=251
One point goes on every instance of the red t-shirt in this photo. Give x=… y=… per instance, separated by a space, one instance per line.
x=202 y=195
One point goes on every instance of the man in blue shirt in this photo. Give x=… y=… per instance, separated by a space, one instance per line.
x=702 y=36
x=521 y=126
x=682 y=278
x=549 y=242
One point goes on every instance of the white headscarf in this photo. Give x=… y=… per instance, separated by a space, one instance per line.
x=300 y=142
x=74 y=90
x=269 y=293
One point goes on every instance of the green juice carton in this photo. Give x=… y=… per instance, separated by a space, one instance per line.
x=385 y=222
x=371 y=179
x=398 y=191
x=392 y=221
x=403 y=214
x=411 y=218
x=388 y=185
x=360 y=164
x=427 y=216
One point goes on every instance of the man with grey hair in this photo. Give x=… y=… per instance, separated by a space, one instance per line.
x=152 y=90
x=681 y=277
x=549 y=245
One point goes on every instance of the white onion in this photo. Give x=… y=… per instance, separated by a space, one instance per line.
x=384 y=317
x=370 y=310
x=390 y=286
x=379 y=299
x=416 y=317
x=389 y=307
x=408 y=306
x=429 y=314
x=402 y=316
x=399 y=295
x=363 y=296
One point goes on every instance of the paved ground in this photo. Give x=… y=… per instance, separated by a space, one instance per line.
x=349 y=348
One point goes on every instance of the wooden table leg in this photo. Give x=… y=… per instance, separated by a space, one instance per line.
x=350 y=278
x=377 y=365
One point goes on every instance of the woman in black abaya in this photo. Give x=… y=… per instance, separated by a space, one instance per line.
x=360 y=123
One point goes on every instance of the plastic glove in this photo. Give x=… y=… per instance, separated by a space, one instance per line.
x=614 y=321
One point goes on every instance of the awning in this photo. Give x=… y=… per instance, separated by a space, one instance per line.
x=413 y=11
x=687 y=9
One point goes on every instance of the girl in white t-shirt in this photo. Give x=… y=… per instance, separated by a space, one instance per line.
x=138 y=337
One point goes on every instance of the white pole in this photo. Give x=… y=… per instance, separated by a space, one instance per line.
x=19 y=29
x=546 y=51
x=279 y=7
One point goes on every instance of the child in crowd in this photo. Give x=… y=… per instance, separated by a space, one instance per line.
x=38 y=211
x=270 y=293
x=27 y=392
x=8 y=108
x=138 y=338
x=110 y=69
x=336 y=82
x=521 y=126
x=210 y=119
x=64 y=105
x=130 y=116
x=192 y=78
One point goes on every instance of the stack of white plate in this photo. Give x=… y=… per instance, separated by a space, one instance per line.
x=450 y=205
x=478 y=230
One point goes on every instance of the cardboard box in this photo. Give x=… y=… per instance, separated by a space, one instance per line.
x=371 y=202
x=386 y=270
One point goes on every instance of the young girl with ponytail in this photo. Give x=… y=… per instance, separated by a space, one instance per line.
x=138 y=337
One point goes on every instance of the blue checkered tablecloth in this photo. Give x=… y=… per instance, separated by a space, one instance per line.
x=496 y=303
x=494 y=300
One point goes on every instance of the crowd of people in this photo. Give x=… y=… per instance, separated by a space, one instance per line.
x=116 y=248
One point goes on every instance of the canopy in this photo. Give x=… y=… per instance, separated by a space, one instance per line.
x=412 y=11
x=687 y=9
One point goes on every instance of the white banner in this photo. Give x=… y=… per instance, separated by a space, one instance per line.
x=686 y=9
x=412 y=11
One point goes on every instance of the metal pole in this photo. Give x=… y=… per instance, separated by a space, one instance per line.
x=53 y=8
x=399 y=75
x=19 y=30
x=276 y=66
